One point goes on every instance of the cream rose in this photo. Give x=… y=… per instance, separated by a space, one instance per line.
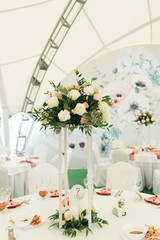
x=80 y=109
x=64 y=115
x=105 y=116
x=143 y=121
x=52 y=102
x=103 y=107
x=89 y=90
x=74 y=94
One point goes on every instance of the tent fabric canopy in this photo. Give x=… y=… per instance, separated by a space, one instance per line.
x=100 y=27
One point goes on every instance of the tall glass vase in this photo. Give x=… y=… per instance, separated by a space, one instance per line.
x=141 y=135
x=149 y=135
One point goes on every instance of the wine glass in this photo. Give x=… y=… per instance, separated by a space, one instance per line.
x=43 y=187
x=5 y=193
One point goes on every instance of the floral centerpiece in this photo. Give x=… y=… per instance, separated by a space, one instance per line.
x=75 y=106
x=145 y=118
x=72 y=224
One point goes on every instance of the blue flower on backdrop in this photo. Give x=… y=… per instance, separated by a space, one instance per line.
x=104 y=147
x=107 y=138
x=115 y=133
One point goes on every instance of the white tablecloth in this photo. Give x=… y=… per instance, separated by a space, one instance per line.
x=147 y=162
x=137 y=210
x=17 y=176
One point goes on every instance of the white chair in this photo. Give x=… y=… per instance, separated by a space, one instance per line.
x=41 y=151
x=122 y=176
x=119 y=155
x=43 y=171
x=3 y=150
x=102 y=163
x=156 y=181
x=3 y=177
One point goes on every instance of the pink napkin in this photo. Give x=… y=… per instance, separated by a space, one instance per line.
x=32 y=163
x=13 y=204
x=131 y=156
x=104 y=191
x=55 y=193
x=153 y=200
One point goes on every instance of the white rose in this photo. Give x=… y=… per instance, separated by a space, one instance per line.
x=103 y=107
x=52 y=102
x=64 y=115
x=143 y=121
x=74 y=94
x=79 y=109
x=89 y=90
x=152 y=118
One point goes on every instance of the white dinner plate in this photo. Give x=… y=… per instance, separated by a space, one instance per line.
x=124 y=237
x=27 y=226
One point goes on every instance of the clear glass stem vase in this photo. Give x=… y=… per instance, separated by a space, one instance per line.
x=149 y=135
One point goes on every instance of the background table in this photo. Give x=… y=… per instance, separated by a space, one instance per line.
x=137 y=210
x=17 y=175
x=147 y=162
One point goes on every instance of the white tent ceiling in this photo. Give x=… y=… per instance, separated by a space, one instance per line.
x=101 y=26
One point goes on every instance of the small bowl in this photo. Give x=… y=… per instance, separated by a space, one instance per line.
x=135 y=231
x=22 y=219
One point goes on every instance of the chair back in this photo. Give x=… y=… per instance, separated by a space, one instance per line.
x=41 y=151
x=3 y=177
x=119 y=155
x=122 y=176
x=44 y=171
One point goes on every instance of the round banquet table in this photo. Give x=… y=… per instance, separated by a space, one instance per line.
x=137 y=210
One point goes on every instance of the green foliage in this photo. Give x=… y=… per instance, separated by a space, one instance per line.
x=71 y=227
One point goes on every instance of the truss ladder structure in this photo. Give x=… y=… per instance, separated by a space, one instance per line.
x=59 y=33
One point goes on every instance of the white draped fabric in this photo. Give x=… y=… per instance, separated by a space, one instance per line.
x=147 y=162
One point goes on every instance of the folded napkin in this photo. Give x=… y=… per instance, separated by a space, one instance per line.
x=153 y=200
x=104 y=191
x=131 y=156
x=27 y=161
x=13 y=204
x=55 y=193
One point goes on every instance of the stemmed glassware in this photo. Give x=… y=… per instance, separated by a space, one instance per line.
x=43 y=187
x=5 y=193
